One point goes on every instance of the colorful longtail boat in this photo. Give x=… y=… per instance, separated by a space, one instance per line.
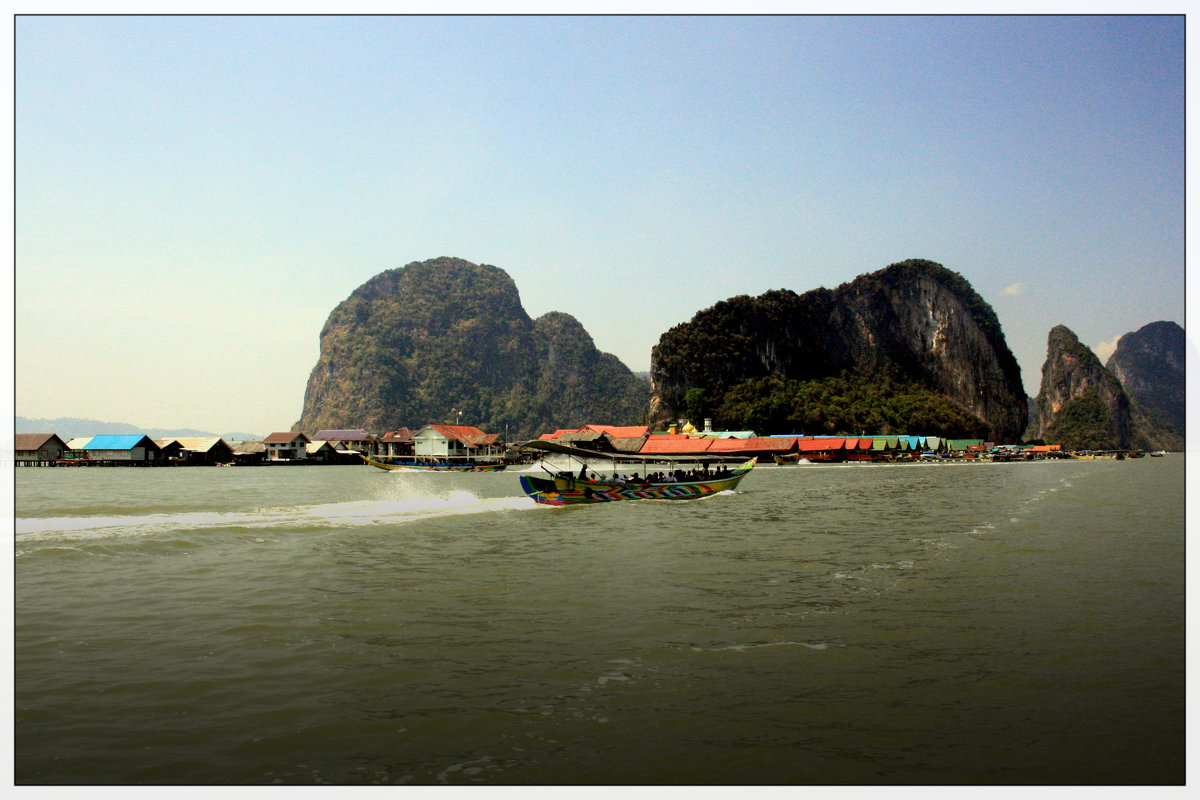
x=566 y=489
x=435 y=466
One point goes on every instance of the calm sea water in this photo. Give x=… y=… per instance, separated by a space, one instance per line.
x=942 y=623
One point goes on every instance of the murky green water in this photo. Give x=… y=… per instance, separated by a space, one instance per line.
x=948 y=623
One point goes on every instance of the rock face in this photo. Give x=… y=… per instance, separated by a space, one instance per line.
x=1081 y=405
x=1150 y=363
x=915 y=321
x=421 y=343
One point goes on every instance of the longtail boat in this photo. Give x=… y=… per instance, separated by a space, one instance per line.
x=565 y=489
x=435 y=466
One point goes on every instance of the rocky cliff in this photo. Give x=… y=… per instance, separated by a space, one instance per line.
x=915 y=328
x=421 y=343
x=1083 y=405
x=1080 y=405
x=1150 y=363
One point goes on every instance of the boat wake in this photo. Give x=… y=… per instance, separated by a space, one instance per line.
x=754 y=646
x=353 y=514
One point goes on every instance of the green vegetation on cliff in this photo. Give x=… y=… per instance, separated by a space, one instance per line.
x=922 y=350
x=421 y=343
x=1095 y=406
x=1093 y=411
x=846 y=404
x=1083 y=423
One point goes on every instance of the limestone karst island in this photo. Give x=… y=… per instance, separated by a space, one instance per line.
x=905 y=363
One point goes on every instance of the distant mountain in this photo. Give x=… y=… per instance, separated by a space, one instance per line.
x=1150 y=363
x=911 y=348
x=1082 y=405
x=446 y=340
x=72 y=427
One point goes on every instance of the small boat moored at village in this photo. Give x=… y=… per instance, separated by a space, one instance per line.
x=565 y=488
x=431 y=465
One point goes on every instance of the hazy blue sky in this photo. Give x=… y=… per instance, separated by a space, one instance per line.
x=194 y=195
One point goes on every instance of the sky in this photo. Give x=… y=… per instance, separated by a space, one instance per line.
x=195 y=194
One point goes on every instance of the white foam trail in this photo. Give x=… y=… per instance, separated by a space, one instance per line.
x=743 y=647
x=352 y=514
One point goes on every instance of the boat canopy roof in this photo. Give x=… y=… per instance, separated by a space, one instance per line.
x=546 y=446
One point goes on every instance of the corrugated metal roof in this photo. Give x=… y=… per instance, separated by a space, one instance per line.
x=727 y=445
x=767 y=444
x=675 y=444
x=774 y=444
x=126 y=442
x=79 y=442
x=824 y=443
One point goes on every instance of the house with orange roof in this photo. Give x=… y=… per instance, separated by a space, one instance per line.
x=676 y=444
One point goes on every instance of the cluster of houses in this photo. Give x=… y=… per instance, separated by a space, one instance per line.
x=685 y=441
x=287 y=447
x=465 y=442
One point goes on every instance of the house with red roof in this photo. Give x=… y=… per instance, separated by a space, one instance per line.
x=286 y=446
x=456 y=441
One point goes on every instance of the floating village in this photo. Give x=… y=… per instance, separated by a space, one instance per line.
x=446 y=446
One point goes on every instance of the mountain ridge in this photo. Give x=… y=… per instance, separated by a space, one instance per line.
x=918 y=325
x=446 y=340
x=72 y=427
x=1082 y=405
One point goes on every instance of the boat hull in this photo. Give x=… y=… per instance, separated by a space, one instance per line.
x=567 y=491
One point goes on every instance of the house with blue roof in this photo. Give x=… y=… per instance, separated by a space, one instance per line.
x=130 y=447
